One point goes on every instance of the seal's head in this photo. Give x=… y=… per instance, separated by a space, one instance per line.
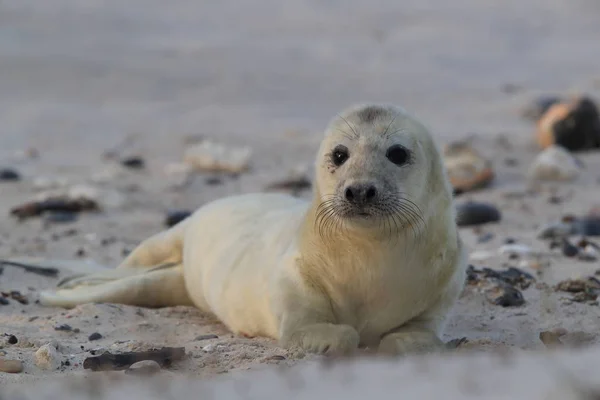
x=378 y=167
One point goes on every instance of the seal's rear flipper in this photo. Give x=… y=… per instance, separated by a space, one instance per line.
x=159 y=286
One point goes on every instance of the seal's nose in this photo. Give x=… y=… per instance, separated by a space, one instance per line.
x=362 y=193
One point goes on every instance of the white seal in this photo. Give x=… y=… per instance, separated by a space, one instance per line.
x=374 y=259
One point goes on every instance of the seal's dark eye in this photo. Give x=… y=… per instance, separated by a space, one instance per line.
x=339 y=155
x=397 y=154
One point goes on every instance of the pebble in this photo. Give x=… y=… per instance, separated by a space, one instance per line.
x=505 y=296
x=47 y=357
x=12 y=339
x=176 y=216
x=144 y=368
x=554 y=164
x=206 y=337
x=216 y=157
x=9 y=175
x=568 y=249
x=4 y=301
x=94 y=336
x=63 y=327
x=476 y=213
x=10 y=366
x=134 y=162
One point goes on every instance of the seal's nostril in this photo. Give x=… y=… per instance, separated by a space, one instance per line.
x=371 y=192
x=349 y=194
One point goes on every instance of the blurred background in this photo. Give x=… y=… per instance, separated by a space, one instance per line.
x=78 y=74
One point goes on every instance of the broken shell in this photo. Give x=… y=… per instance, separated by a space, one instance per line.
x=554 y=164
x=10 y=366
x=213 y=157
x=475 y=213
x=467 y=168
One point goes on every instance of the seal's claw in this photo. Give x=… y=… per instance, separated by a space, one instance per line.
x=413 y=342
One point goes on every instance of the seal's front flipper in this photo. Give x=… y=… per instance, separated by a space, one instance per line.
x=159 y=286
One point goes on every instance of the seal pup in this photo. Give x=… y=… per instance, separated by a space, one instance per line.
x=374 y=259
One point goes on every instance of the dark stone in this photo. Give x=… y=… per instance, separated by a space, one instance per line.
x=9 y=175
x=506 y=296
x=63 y=327
x=176 y=216
x=568 y=249
x=94 y=336
x=476 y=213
x=12 y=339
x=206 y=337
x=133 y=162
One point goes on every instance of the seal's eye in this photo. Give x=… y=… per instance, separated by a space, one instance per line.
x=397 y=154
x=339 y=155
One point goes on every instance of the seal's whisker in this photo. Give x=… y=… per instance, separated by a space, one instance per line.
x=389 y=125
x=350 y=126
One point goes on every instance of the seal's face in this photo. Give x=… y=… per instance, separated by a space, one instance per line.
x=373 y=169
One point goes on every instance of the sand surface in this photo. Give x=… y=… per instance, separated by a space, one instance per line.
x=79 y=78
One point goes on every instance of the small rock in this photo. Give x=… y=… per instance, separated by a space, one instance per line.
x=144 y=368
x=94 y=336
x=213 y=180
x=215 y=157
x=12 y=339
x=9 y=175
x=475 y=213
x=134 y=162
x=505 y=296
x=4 y=301
x=63 y=327
x=568 y=249
x=467 y=168
x=554 y=164
x=573 y=124
x=176 y=216
x=47 y=357
x=10 y=366
x=206 y=337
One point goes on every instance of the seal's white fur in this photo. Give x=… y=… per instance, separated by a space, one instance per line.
x=296 y=271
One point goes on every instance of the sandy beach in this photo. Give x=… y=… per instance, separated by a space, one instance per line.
x=84 y=84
